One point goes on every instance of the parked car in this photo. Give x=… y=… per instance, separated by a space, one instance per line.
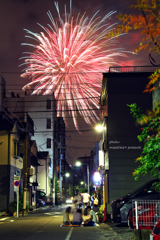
x=42 y=195
x=120 y=208
x=69 y=200
x=145 y=216
x=40 y=203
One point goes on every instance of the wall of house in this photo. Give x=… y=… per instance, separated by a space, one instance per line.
x=7 y=170
x=123 y=144
x=36 y=106
x=43 y=178
x=4 y=149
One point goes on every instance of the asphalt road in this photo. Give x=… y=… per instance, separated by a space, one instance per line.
x=43 y=224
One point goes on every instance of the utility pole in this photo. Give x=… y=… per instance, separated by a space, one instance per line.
x=25 y=172
x=87 y=174
x=60 y=169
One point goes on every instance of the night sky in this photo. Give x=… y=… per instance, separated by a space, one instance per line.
x=15 y=15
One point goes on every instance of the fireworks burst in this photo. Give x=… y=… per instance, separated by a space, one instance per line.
x=69 y=59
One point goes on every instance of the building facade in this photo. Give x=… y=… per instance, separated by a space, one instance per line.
x=122 y=86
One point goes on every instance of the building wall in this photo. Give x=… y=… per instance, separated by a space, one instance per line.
x=42 y=177
x=123 y=145
x=4 y=149
x=96 y=149
x=8 y=166
x=36 y=106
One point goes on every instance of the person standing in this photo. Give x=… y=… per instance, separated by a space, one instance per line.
x=76 y=202
x=86 y=198
x=79 y=198
x=95 y=203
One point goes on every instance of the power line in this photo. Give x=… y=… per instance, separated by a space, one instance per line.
x=73 y=110
x=51 y=99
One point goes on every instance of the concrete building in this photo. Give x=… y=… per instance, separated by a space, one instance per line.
x=42 y=110
x=122 y=86
x=10 y=161
x=48 y=128
x=95 y=154
x=43 y=179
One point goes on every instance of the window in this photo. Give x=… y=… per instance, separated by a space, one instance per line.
x=48 y=123
x=14 y=148
x=48 y=103
x=48 y=142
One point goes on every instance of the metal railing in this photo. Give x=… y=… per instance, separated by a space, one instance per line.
x=144 y=213
x=128 y=69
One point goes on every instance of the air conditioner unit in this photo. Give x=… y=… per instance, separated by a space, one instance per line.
x=30 y=171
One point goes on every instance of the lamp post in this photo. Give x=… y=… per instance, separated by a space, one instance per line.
x=78 y=164
x=102 y=129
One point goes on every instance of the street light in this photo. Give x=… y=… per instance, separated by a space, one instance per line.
x=81 y=182
x=102 y=129
x=78 y=164
x=99 y=128
x=97 y=177
x=67 y=174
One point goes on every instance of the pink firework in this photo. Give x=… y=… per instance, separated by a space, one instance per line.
x=69 y=60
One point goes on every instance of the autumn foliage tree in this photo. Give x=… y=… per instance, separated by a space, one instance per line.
x=146 y=20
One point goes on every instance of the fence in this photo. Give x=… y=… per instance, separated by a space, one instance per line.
x=144 y=213
x=119 y=69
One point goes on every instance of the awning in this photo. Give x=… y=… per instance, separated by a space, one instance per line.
x=34 y=161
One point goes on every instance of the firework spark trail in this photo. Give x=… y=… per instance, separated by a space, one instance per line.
x=69 y=59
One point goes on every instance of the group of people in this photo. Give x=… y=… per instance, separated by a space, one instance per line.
x=78 y=219
x=85 y=199
x=90 y=206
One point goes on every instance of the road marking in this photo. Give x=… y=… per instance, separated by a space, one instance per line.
x=2 y=219
x=69 y=234
x=55 y=214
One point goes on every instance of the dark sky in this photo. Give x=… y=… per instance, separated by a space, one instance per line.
x=15 y=15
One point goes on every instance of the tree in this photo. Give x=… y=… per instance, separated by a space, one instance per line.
x=146 y=20
x=150 y=135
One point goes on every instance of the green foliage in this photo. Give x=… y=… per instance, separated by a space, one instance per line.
x=101 y=212
x=13 y=205
x=101 y=209
x=150 y=136
x=135 y=111
x=100 y=191
x=56 y=186
x=82 y=190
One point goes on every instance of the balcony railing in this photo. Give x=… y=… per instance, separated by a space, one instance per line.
x=133 y=69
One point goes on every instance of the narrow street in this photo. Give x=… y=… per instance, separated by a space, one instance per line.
x=43 y=224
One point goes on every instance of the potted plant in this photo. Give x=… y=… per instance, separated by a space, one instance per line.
x=30 y=208
x=100 y=214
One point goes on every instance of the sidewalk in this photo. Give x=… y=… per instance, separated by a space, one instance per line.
x=2 y=214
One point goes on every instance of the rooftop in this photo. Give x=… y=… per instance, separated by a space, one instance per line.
x=119 y=69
